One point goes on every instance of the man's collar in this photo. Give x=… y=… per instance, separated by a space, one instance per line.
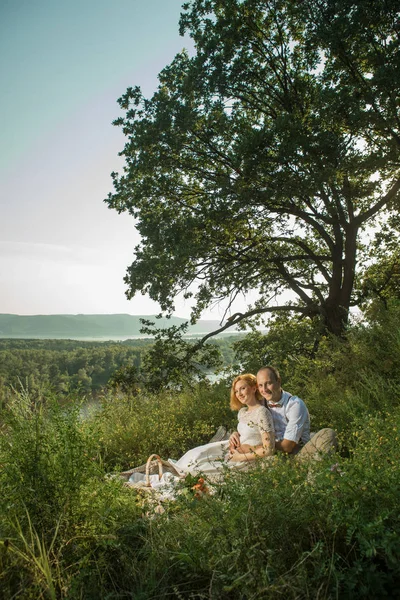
x=284 y=397
x=275 y=404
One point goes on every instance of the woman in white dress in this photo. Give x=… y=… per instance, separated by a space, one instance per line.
x=256 y=429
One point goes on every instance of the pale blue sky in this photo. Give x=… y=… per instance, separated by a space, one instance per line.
x=63 y=64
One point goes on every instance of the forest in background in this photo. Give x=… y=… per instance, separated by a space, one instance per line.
x=65 y=367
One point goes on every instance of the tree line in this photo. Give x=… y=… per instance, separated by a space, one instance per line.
x=68 y=366
x=64 y=366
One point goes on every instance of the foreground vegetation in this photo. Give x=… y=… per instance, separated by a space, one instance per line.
x=329 y=530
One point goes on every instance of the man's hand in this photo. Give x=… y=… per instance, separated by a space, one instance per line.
x=285 y=446
x=234 y=441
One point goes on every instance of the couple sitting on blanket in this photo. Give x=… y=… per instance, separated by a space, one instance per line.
x=269 y=420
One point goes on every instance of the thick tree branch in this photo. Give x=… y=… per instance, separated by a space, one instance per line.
x=239 y=317
x=373 y=210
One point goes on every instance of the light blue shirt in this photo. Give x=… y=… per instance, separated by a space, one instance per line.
x=291 y=419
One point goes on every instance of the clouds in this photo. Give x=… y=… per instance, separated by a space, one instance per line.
x=63 y=66
x=38 y=278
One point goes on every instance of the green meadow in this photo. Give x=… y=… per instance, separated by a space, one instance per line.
x=329 y=529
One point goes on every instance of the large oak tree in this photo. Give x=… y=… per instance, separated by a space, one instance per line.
x=261 y=159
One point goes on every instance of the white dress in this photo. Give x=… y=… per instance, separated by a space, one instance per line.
x=212 y=458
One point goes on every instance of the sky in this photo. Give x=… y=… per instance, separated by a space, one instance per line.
x=63 y=65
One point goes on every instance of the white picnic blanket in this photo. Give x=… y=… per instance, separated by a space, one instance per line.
x=166 y=486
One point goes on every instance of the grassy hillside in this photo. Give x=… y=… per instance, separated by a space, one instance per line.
x=329 y=529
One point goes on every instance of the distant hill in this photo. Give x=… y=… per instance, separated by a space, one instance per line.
x=88 y=326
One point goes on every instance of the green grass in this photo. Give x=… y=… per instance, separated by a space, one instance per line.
x=326 y=530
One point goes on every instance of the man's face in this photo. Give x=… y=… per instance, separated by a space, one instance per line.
x=268 y=386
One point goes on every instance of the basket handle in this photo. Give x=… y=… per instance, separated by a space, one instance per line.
x=160 y=468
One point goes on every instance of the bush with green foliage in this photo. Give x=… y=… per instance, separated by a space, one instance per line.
x=58 y=515
x=169 y=423
x=46 y=455
x=329 y=530
x=326 y=530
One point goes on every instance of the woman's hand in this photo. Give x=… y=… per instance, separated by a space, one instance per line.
x=242 y=453
x=268 y=440
x=237 y=456
x=234 y=441
x=246 y=452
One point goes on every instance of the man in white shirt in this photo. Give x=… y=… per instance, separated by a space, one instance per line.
x=291 y=420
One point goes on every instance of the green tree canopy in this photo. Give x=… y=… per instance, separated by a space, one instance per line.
x=260 y=160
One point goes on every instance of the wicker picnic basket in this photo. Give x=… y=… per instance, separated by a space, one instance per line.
x=153 y=465
x=156 y=464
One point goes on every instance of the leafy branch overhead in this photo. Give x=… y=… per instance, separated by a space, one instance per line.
x=261 y=159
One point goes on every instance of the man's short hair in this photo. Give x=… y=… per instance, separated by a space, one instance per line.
x=273 y=370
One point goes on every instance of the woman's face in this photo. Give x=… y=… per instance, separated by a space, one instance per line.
x=245 y=392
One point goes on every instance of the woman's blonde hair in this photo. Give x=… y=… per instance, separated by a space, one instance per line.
x=249 y=378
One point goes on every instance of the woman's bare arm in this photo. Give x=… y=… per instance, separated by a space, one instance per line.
x=247 y=452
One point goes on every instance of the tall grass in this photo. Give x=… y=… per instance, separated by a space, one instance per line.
x=38 y=559
x=132 y=428
x=326 y=530
x=329 y=530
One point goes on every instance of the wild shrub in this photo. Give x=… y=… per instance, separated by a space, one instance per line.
x=345 y=380
x=103 y=547
x=63 y=526
x=287 y=339
x=170 y=423
x=87 y=555
x=326 y=530
x=46 y=456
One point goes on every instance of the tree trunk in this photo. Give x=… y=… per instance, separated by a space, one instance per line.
x=335 y=319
